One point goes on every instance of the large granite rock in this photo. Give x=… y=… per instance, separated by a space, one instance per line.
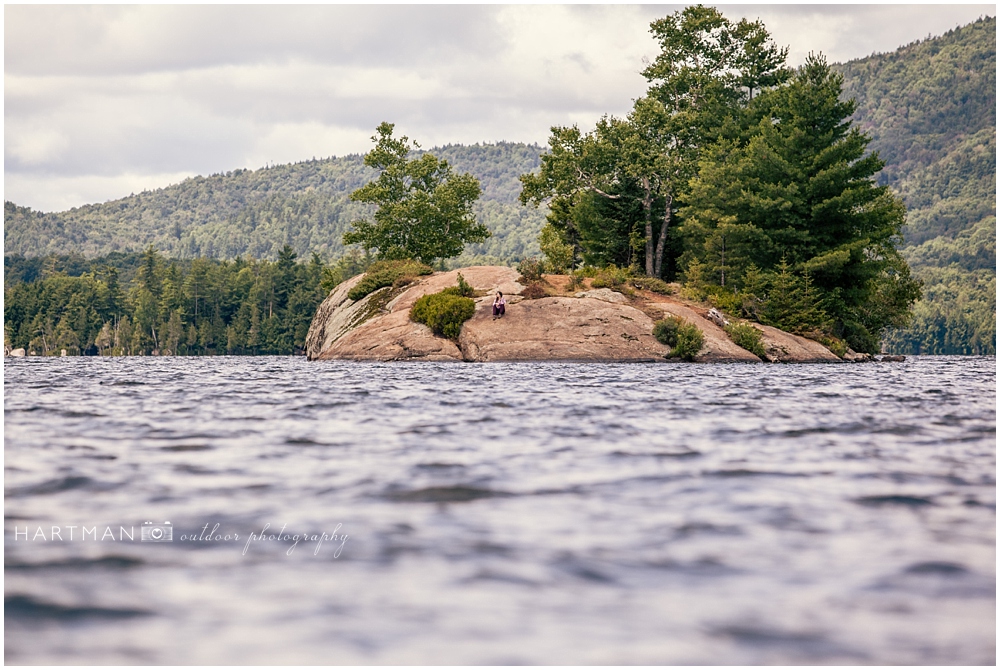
x=782 y=347
x=378 y=327
x=596 y=325
x=563 y=329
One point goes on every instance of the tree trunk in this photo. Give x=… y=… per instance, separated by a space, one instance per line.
x=647 y=206
x=662 y=242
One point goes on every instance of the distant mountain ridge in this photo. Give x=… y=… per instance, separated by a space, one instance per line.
x=257 y=212
x=930 y=108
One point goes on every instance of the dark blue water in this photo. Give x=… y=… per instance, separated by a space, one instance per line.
x=499 y=513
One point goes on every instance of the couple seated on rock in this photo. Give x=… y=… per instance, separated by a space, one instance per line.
x=499 y=306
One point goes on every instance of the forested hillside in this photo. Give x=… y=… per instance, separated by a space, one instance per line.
x=930 y=108
x=257 y=212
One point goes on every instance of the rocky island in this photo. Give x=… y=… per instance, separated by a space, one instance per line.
x=568 y=324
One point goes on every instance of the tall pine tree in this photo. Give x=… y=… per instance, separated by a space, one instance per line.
x=797 y=184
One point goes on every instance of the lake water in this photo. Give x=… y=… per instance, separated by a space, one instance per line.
x=499 y=513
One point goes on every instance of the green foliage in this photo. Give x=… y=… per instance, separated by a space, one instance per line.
x=940 y=152
x=930 y=108
x=836 y=345
x=689 y=342
x=424 y=209
x=531 y=269
x=610 y=277
x=443 y=313
x=464 y=288
x=613 y=191
x=665 y=330
x=958 y=315
x=684 y=339
x=349 y=265
x=651 y=284
x=388 y=273
x=746 y=336
x=558 y=254
x=724 y=299
x=159 y=305
x=798 y=185
x=696 y=281
x=974 y=248
x=780 y=298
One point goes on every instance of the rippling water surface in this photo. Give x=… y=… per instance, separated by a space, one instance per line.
x=500 y=513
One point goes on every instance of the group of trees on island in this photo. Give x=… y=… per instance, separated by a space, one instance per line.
x=730 y=166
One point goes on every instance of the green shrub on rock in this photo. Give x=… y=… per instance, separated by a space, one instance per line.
x=652 y=284
x=444 y=313
x=684 y=339
x=531 y=269
x=388 y=273
x=746 y=336
x=665 y=330
x=463 y=289
x=610 y=277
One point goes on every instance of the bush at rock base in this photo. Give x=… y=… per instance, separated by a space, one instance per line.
x=746 y=336
x=531 y=269
x=534 y=291
x=684 y=339
x=610 y=277
x=388 y=273
x=652 y=284
x=443 y=313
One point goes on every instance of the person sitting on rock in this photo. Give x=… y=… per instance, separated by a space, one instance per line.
x=499 y=306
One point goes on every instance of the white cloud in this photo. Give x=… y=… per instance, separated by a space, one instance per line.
x=292 y=142
x=67 y=192
x=100 y=100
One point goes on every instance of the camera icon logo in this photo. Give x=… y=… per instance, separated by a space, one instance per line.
x=157 y=532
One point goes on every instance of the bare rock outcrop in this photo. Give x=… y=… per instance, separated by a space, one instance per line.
x=594 y=325
x=562 y=328
x=605 y=294
x=782 y=347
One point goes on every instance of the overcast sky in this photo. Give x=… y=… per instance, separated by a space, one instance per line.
x=102 y=101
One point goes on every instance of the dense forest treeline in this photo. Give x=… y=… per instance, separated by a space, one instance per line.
x=929 y=108
x=143 y=303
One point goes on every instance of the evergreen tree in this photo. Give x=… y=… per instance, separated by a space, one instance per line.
x=799 y=185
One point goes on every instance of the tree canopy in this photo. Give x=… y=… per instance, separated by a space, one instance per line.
x=707 y=67
x=424 y=208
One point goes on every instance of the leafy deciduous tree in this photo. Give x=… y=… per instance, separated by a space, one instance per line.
x=424 y=208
